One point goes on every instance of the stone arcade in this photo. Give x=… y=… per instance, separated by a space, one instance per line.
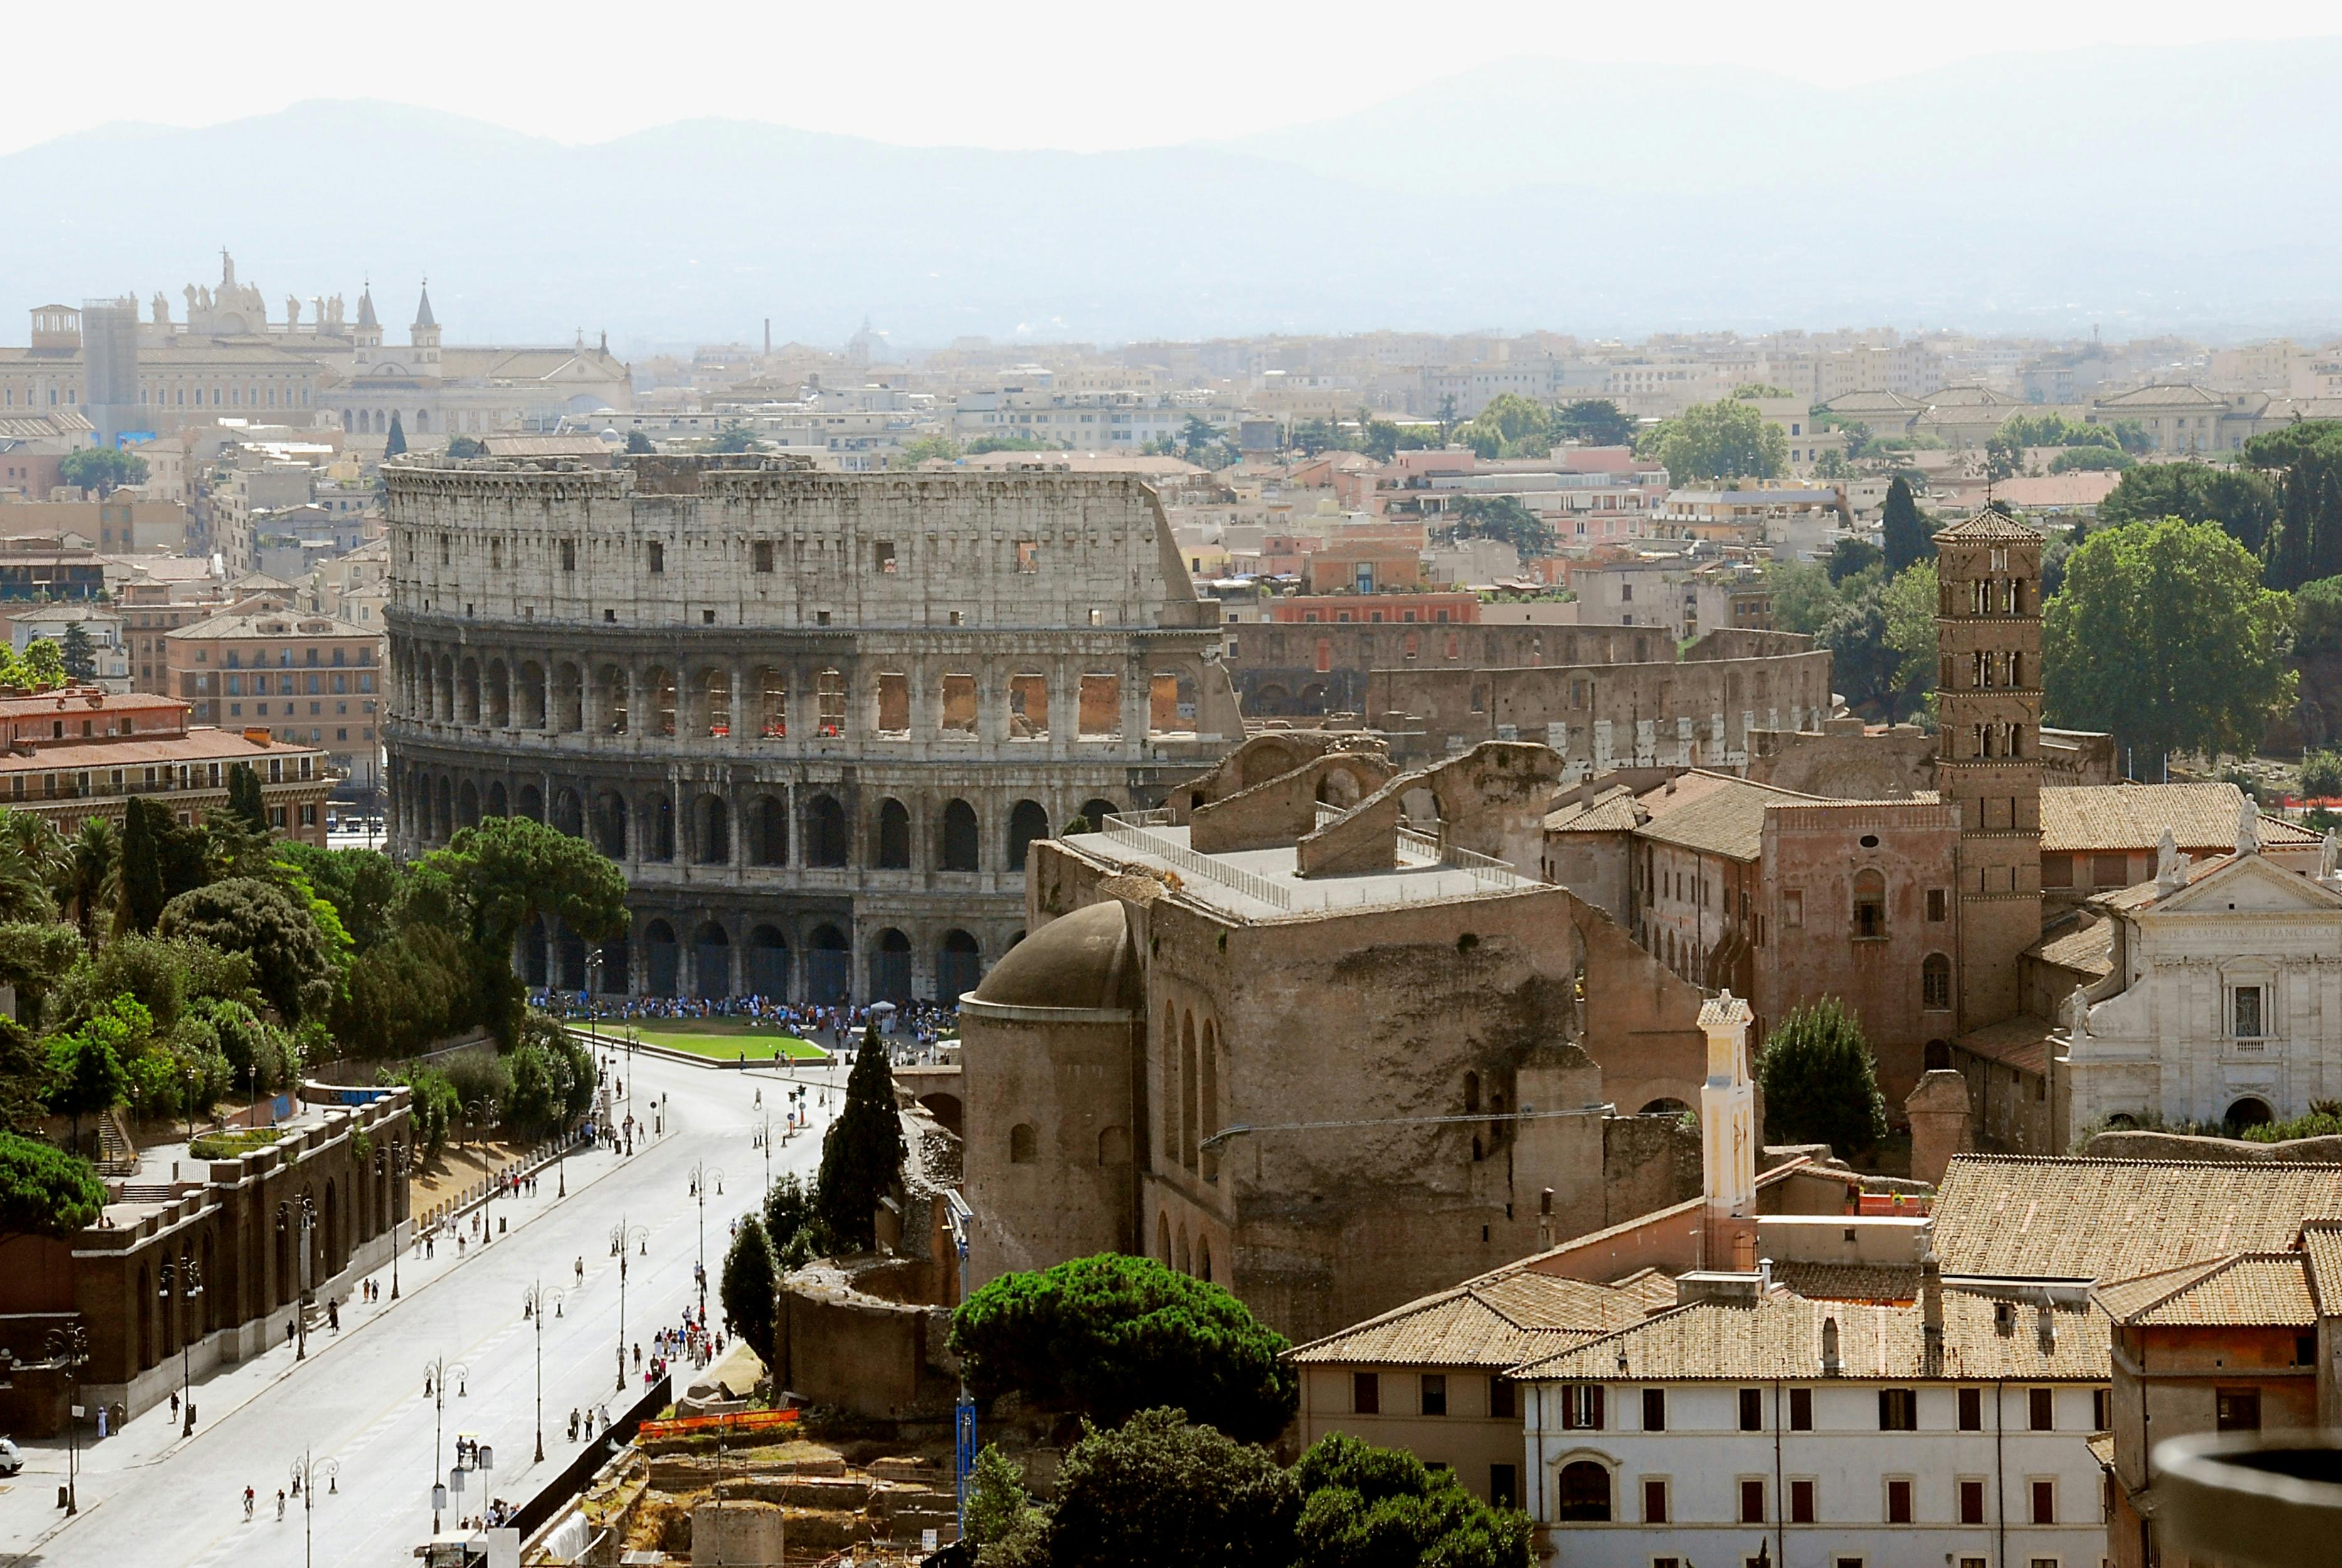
x=819 y=718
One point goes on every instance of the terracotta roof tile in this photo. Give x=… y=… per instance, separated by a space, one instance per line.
x=2047 y=1218
x=1850 y=1282
x=2022 y=1043
x=1988 y=528
x=1498 y=1320
x=2250 y=1289
x=1780 y=1336
x=2085 y=817
x=1716 y=814
x=2321 y=1244
x=1611 y=811
x=2088 y=947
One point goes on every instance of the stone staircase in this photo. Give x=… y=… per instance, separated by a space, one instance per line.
x=117 y=1154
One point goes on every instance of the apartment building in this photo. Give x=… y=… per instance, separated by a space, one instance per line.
x=268 y=668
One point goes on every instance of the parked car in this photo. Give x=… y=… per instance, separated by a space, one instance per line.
x=11 y=1460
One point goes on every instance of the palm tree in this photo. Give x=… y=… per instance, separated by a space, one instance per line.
x=93 y=871
x=41 y=849
x=24 y=891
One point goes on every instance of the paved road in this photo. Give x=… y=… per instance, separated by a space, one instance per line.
x=150 y=1498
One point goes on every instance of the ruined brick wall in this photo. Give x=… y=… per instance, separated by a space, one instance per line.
x=1283 y=670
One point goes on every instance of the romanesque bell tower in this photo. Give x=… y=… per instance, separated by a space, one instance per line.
x=1989 y=749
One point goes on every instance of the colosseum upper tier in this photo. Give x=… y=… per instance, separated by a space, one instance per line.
x=816 y=717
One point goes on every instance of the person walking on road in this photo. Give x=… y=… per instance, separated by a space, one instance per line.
x=280 y=1505
x=581 y=1268
x=247 y=1503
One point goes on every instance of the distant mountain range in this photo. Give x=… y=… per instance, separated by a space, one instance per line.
x=2142 y=189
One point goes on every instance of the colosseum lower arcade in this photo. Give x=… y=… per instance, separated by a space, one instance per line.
x=816 y=718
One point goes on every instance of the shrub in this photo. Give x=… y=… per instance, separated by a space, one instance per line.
x=1821 y=1082
x=1363 y=1505
x=258 y=919
x=44 y=1190
x=1158 y=1493
x=2321 y=774
x=1112 y=1334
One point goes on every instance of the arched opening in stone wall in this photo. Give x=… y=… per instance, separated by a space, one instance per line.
x=716 y=702
x=661 y=959
x=957 y=838
x=532 y=694
x=445 y=697
x=536 y=960
x=1338 y=788
x=768 y=960
x=499 y=694
x=569 y=699
x=894 y=696
x=569 y=956
x=1099 y=708
x=711 y=831
x=1028 y=707
x=829 y=696
x=945 y=1109
x=1269 y=699
x=1096 y=811
x=1666 y=1105
x=661 y=684
x=658 y=827
x=769 y=831
x=444 y=825
x=890 y=967
x=467 y=806
x=711 y=960
x=1315 y=699
x=894 y=836
x=1583 y=1493
x=773 y=699
x=1171 y=704
x=1027 y=820
x=825 y=836
x=959 y=966
x=2249 y=1112
x=468 y=694
x=532 y=803
x=610 y=826
x=616 y=971
x=497 y=801
x=956 y=708
x=828 y=979
x=612 y=700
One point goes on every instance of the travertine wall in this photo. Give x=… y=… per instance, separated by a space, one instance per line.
x=819 y=718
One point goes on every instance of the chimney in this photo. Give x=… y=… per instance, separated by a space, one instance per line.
x=1931 y=1312
x=1830 y=1362
x=2045 y=1325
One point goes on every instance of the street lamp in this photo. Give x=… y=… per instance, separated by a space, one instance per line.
x=390 y=1163
x=184 y=1277
x=765 y=1136
x=700 y=1176
x=68 y=1347
x=306 y=1471
x=297 y=1216
x=435 y=1372
x=481 y=1113
x=532 y=1306
x=622 y=1236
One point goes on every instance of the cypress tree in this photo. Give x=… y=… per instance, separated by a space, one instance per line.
x=244 y=797
x=397 y=441
x=1902 y=531
x=143 y=891
x=750 y=1281
x=862 y=1154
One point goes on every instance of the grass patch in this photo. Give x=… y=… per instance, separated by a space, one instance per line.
x=729 y=1046
x=229 y=1145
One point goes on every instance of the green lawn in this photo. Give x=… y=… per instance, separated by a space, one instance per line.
x=721 y=1040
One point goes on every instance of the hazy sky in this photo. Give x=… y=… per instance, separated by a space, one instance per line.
x=1085 y=77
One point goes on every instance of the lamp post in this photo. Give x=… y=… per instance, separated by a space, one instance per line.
x=622 y=1237
x=305 y=1471
x=68 y=1347
x=765 y=1136
x=184 y=1277
x=435 y=1372
x=700 y=1176
x=297 y=1217
x=390 y=1165
x=481 y=1113
x=533 y=1301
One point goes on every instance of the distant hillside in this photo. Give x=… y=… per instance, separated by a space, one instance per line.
x=2141 y=189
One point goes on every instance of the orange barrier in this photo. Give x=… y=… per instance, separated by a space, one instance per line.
x=733 y=1421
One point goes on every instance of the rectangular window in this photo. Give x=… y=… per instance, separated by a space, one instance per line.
x=1503 y=1485
x=2041 y=1409
x=2248 y=1011
x=1939 y=903
x=1654 y=1410
x=1752 y=1409
x=1581 y=1407
x=1898 y=1409
x=2102 y=1399
x=1971 y=1502
x=1971 y=1410
x=1801 y=1410
x=2057 y=871
x=658 y=555
x=1801 y=1500
x=1898 y=1499
x=1503 y=1401
x=1366 y=1393
x=2043 y=1498
x=760 y=555
x=569 y=554
x=883 y=557
x=1028 y=554
x=2238 y=1409
x=2110 y=870
x=1793 y=909
x=1435 y=1393
x=1654 y=1500
x=1752 y=1501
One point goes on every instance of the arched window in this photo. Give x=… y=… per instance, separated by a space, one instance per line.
x=1583 y=1493
x=824 y=832
x=1869 y=905
x=959 y=966
x=714 y=831
x=958 y=837
x=894 y=836
x=1114 y=1146
x=1022 y=1144
x=1935 y=984
x=1026 y=822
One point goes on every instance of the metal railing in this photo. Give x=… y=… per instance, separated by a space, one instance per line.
x=1130 y=831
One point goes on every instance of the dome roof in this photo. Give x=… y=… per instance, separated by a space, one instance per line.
x=1082 y=960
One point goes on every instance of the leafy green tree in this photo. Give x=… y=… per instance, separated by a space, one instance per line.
x=24 y=1079
x=1158 y=1493
x=1802 y=596
x=919 y=450
x=639 y=444
x=1511 y=426
x=1833 y=467
x=1004 y=1524
x=79 y=654
x=406 y=995
x=1851 y=557
x=43 y=666
x=143 y=896
x=35 y=957
x=2124 y=643
x=984 y=444
x=102 y=469
x=85 y=1067
x=862 y=1153
x=1724 y=440
x=93 y=865
x=750 y=1282
x=24 y=885
x=1112 y=1334
x=1505 y=518
x=244 y=800
x=363 y=885
x=2321 y=776
x=1820 y=1081
x=1903 y=532
x=45 y=1192
x=1909 y=603
x=1364 y=1507
x=2304 y=463
x=1595 y=422
x=2317 y=618
x=433 y=1107
x=1863 y=663
x=291 y=965
x=2003 y=458
x=466 y=446
x=396 y=444
x=2092 y=459
x=793 y=1221
x=2132 y=436
x=505 y=874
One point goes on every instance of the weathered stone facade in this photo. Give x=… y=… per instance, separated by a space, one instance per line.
x=817 y=718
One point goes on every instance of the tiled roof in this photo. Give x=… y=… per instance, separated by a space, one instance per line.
x=2164 y=395
x=2321 y=1244
x=1712 y=814
x=197 y=745
x=1611 y=811
x=1653 y=1288
x=1850 y=1282
x=2109 y=817
x=2267 y=1290
x=2088 y=947
x=2021 y=1042
x=1498 y=1320
x=2045 y=1218
x=2079 y=488
x=1780 y=1336
x=1990 y=528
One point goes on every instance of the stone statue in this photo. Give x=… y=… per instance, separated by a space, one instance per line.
x=191 y=301
x=162 y=309
x=2329 y=855
x=291 y=311
x=2171 y=865
x=227 y=272
x=2078 y=1015
x=2248 y=828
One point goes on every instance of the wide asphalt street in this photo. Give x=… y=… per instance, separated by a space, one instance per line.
x=153 y=1498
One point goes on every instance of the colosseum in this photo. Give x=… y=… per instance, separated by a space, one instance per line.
x=817 y=717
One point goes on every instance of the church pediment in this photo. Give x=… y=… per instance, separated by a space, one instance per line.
x=2249 y=884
